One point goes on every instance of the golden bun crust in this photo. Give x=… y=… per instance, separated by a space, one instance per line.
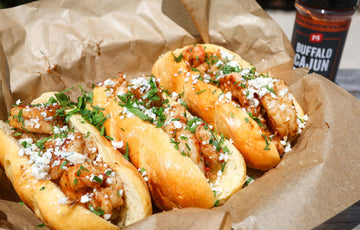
x=174 y=180
x=43 y=196
x=202 y=99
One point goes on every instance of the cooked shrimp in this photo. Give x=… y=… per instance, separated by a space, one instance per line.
x=174 y=113
x=108 y=198
x=280 y=111
x=37 y=119
x=209 y=151
x=34 y=136
x=195 y=57
x=88 y=184
x=57 y=168
x=75 y=142
x=116 y=86
x=184 y=140
x=189 y=146
x=76 y=180
x=147 y=97
x=235 y=84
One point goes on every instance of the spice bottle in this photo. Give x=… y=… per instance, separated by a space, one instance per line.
x=320 y=32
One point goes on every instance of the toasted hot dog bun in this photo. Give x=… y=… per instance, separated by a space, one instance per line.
x=44 y=196
x=174 y=180
x=177 y=73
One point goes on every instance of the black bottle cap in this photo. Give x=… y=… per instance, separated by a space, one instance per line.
x=332 y=4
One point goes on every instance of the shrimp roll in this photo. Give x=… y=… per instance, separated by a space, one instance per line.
x=255 y=110
x=186 y=163
x=61 y=167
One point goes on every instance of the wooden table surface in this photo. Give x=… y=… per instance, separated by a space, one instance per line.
x=348 y=79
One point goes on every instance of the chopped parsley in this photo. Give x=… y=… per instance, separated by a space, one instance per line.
x=178 y=58
x=127 y=152
x=256 y=119
x=20 y=117
x=97 y=179
x=248 y=181
x=222 y=164
x=200 y=91
x=184 y=138
x=187 y=146
x=270 y=89
x=195 y=70
x=192 y=124
x=98 y=211
x=41 y=142
x=267 y=142
x=63 y=165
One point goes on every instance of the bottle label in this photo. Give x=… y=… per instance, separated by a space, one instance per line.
x=318 y=45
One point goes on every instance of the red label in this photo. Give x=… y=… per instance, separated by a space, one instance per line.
x=316 y=37
x=322 y=26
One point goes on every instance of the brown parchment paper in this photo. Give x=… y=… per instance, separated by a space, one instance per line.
x=56 y=44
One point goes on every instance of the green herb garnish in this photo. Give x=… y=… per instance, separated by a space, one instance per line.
x=127 y=152
x=200 y=91
x=178 y=58
x=97 y=179
x=64 y=164
x=98 y=211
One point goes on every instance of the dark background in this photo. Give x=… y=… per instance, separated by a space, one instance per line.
x=266 y=4
x=11 y=3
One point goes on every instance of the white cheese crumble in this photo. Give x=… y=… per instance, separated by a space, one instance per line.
x=261 y=86
x=74 y=157
x=92 y=178
x=117 y=144
x=107 y=216
x=174 y=96
x=63 y=200
x=141 y=83
x=85 y=198
x=226 y=55
x=286 y=144
x=56 y=163
x=225 y=98
x=302 y=123
x=109 y=92
x=143 y=174
x=178 y=124
x=127 y=113
x=109 y=83
x=224 y=156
